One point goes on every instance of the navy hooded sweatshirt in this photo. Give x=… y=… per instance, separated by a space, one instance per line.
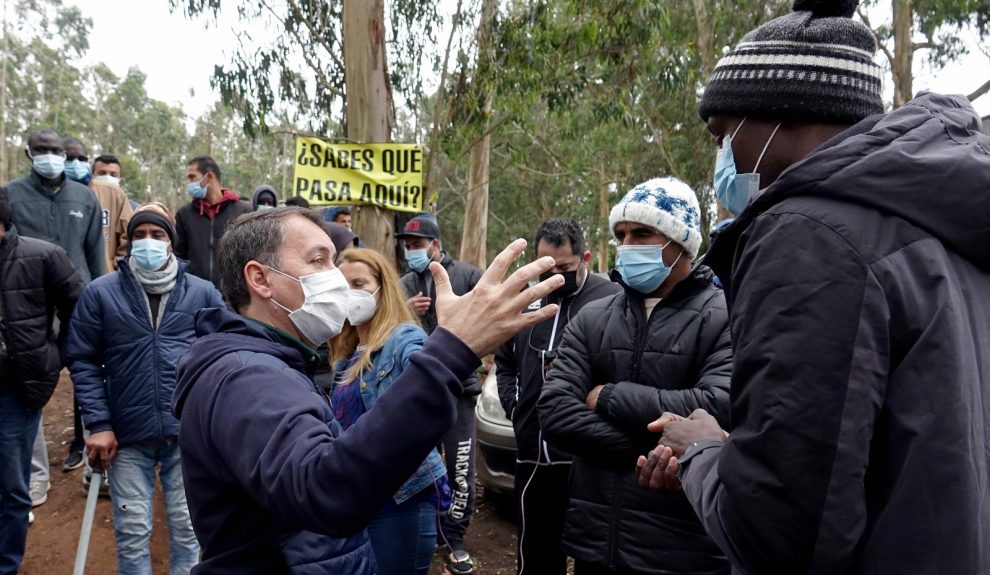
x=273 y=485
x=859 y=294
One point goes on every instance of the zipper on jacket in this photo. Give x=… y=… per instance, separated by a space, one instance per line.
x=211 y=246
x=613 y=528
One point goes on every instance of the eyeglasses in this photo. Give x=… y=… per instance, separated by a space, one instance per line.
x=83 y=159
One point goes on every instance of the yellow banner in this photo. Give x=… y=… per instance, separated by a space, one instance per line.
x=389 y=176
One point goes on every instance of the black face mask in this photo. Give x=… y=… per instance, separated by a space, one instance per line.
x=569 y=288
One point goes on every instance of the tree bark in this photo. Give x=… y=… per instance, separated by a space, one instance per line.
x=474 y=235
x=369 y=106
x=603 y=231
x=902 y=66
x=3 y=98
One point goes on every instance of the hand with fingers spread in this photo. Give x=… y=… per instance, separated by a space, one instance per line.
x=492 y=312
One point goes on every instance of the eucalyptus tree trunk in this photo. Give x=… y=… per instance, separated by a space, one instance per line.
x=369 y=106
x=474 y=235
x=902 y=64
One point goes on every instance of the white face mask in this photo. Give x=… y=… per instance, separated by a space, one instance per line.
x=362 y=306
x=325 y=308
x=108 y=179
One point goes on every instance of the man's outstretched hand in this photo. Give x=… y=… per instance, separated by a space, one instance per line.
x=492 y=312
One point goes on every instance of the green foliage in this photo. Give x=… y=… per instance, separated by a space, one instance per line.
x=588 y=93
x=264 y=79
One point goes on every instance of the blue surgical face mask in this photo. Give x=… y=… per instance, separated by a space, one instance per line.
x=48 y=166
x=149 y=254
x=196 y=189
x=77 y=171
x=418 y=259
x=642 y=267
x=732 y=189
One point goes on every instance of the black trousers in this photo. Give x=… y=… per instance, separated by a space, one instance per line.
x=459 y=447
x=541 y=502
x=582 y=568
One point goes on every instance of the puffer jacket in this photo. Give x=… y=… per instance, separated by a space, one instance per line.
x=858 y=283
x=123 y=369
x=37 y=279
x=678 y=360
x=463 y=278
x=386 y=365
x=197 y=235
x=273 y=485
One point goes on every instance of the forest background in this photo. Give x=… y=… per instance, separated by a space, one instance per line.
x=527 y=109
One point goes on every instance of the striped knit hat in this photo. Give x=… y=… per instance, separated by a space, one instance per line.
x=667 y=205
x=815 y=63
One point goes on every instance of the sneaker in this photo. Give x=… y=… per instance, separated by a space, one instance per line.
x=39 y=492
x=458 y=561
x=30 y=517
x=73 y=461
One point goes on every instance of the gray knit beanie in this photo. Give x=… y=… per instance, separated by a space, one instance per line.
x=814 y=64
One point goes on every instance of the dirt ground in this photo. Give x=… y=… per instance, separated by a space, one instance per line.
x=52 y=540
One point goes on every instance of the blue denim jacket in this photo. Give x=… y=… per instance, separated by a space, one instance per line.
x=386 y=364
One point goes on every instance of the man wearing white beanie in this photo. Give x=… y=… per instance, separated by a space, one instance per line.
x=662 y=344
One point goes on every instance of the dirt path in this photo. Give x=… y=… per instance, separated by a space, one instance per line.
x=51 y=544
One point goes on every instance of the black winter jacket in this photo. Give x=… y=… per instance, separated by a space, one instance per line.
x=70 y=218
x=463 y=278
x=859 y=285
x=520 y=367
x=678 y=360
x=197 y=236
x=37 y=280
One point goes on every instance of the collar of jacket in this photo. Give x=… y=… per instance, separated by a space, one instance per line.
x=311 y=356
x=211 y=210
x=699 y=277
x=41 y=185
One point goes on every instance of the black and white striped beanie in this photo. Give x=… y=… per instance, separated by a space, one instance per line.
x=814 y=64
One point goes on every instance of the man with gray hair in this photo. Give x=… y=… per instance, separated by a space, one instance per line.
x=273 y=484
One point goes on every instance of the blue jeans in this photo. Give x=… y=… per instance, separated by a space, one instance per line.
x=404 y=537
x=132 y=488
x=18 y=426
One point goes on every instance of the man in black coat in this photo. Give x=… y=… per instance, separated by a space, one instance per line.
x=857 y=275
x=521 y=366
x=37 y=280
x=662 y=344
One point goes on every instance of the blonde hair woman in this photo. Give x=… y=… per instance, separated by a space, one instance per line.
x=375 y=345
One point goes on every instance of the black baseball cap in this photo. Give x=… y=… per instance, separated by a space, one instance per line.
x=422 y=226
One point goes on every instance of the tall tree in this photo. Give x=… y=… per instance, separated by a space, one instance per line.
x=932 y=26
x=369 y=104
x=474 y=233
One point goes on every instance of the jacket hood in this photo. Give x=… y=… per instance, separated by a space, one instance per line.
x=262 y=190
x=927 y=163
x=219 y=332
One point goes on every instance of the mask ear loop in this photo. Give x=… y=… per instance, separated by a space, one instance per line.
x=765 y=147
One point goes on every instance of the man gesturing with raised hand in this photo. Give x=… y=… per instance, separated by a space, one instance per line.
x=273 y=485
